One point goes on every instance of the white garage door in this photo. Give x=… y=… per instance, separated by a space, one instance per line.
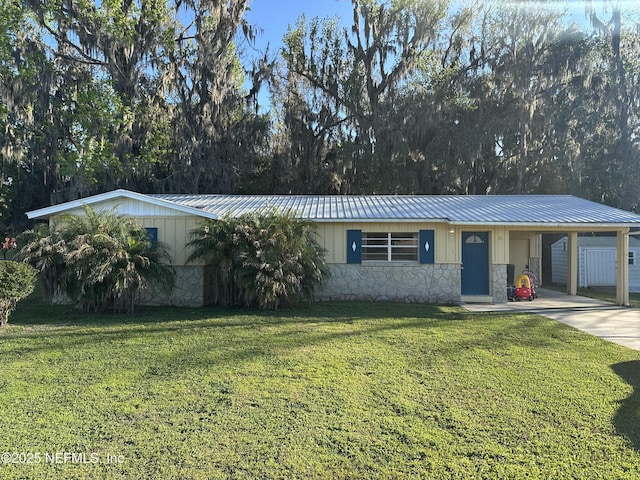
x=601 y=268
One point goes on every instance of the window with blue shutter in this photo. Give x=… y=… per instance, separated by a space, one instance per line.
x=390 y=247
x=425 y=246
x=354 y=246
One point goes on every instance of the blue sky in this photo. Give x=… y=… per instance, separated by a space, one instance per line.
x=273 y=16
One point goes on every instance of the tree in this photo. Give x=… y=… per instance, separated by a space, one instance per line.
x=447 y=115
x=352 y=83
x=120 y=40
x=146 y=95
x=100 y=260
x=216 y=243
x=311 y=124
x=25 y=76
x=16 y=282
x=620 y=103
x=215 y=132
x=415 y=97
x=531 y=64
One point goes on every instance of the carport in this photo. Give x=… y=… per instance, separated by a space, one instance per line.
x=622 y=265
x=533 y=252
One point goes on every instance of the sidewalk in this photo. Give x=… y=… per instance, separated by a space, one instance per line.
x=616 y=324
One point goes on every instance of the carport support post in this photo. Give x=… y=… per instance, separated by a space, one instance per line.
x=572 y=263
x=622 y=272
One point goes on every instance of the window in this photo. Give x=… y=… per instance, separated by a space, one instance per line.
x=390 y=247
x=632 y=258
x=474 y=239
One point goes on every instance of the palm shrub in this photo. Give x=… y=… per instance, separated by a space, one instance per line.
x=16 y=282
x=45 y=248
x=217 y=243
x=100 y=260
x=267 y=260
x=282 y=263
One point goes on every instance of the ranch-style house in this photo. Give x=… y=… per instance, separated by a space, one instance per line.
x=413 y=248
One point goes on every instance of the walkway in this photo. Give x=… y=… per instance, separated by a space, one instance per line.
x=605 y=320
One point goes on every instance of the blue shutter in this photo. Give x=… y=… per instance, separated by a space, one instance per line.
x=354 y=246
x=425 y=246
x=152 y=233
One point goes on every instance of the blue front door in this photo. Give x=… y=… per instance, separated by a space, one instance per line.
x=475 y=263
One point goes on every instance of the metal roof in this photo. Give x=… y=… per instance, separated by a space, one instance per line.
x=525 y=210
x=462 y=209
x=606 y=241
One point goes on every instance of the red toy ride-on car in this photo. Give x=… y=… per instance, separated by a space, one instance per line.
x=526 y=288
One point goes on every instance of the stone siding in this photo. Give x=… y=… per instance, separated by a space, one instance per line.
x=187 y=292
x=535 y=266
x=189 y=288
x=499 y=282
x=406 y=282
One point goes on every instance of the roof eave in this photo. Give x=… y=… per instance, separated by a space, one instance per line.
x=377 y=220
x=550 y=225
x=114 y=194
x=540 y=225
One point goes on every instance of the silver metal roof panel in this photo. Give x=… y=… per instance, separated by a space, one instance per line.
x=467 y=209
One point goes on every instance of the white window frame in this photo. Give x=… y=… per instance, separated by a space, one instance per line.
x=389 y=245
x=633 y=258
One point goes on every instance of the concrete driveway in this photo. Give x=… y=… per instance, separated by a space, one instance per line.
x=605 y=320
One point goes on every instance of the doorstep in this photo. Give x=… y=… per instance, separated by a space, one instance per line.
x=477 y=299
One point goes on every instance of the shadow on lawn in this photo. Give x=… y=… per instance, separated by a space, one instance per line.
x=229 y=330
x=168 y=343
x=36 y=312
x=226 y=335
x=627 y=418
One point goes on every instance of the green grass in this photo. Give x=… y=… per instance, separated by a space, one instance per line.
x=345 y=390
x=606 y=294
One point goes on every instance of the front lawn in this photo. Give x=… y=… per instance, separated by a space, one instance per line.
x=606 y=294
x=360 y=390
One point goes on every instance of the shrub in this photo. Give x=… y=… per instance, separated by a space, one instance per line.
x=270 y=261
x=16 y=282
x=45 y=248
x=99 y=260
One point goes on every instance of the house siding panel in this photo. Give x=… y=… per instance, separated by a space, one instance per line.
x=174 y=232
x=135 y=208
x=331 y=237
x=634 y=273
